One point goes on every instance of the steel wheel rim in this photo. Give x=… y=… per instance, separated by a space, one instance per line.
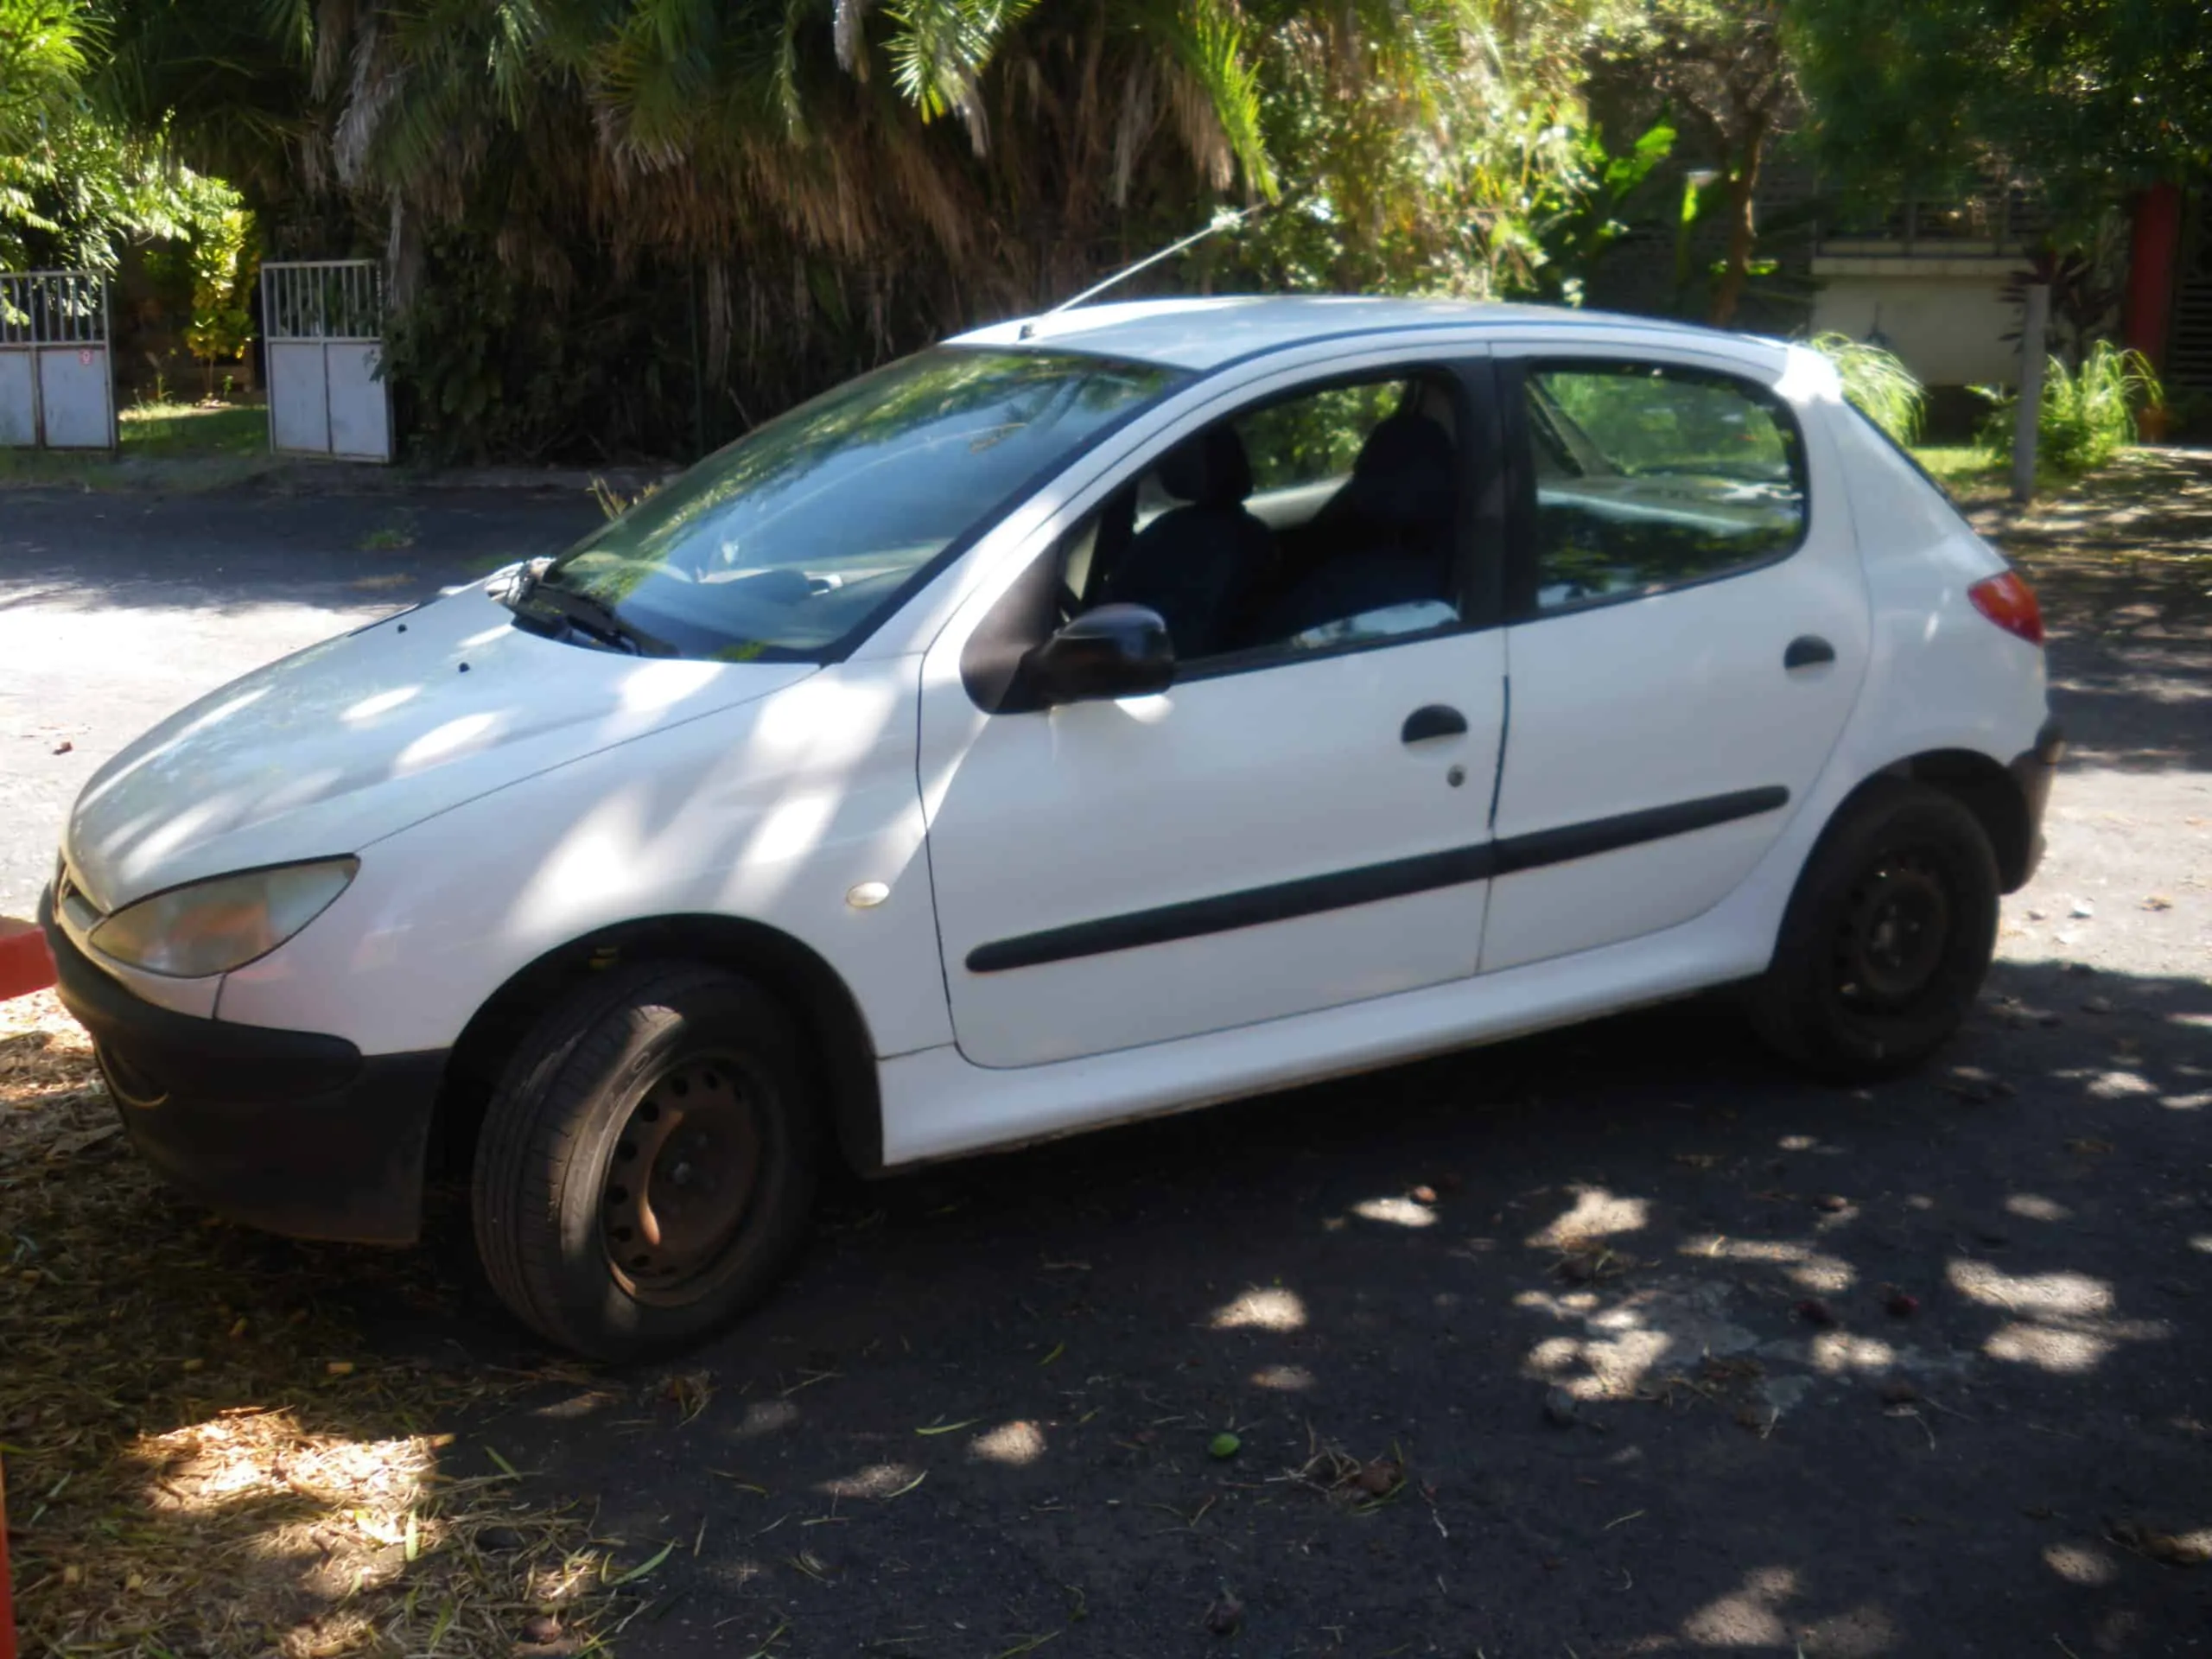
x=680 y=1179
x=1895 y=932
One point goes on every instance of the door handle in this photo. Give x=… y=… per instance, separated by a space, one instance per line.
x=1808 y=651
x=1433 y=720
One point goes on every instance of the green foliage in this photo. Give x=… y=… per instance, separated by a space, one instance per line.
x=1720 y=70
x=1468 y=165
x=2091 y=99
x=1572 y=206
x=75 y=180
x=1877 y=383
x=223 y=266
x=1304 y=439
x=43 y=57
x=783 y=192
x=940 y=49
x=2087 y=415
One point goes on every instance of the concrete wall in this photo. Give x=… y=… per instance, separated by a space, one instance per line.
x=1944 y=317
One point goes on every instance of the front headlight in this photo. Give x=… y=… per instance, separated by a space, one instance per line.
x=210 y=927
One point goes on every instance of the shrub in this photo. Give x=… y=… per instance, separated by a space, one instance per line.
x=2087 y=415
x=1877 y=383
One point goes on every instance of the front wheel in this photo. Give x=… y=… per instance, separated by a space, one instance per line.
x=1887 y=938
x=647 y=1164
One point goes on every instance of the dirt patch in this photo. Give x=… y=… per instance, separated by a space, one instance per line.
x=203 y=1454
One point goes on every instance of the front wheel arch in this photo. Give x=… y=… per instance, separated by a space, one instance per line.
x=840 y=1048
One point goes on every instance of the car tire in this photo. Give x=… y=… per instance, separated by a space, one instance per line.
x=648 y=1161
x=1887 y=938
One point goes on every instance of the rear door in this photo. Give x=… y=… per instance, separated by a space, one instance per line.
x=1688 y=628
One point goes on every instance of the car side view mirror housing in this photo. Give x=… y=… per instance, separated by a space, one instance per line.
x=1116 y=650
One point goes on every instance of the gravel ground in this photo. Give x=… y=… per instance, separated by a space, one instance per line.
x=1618 y=1341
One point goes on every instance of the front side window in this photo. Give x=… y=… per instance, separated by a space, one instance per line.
x=1649 y=476
x=796 y=537
x=1322 y=520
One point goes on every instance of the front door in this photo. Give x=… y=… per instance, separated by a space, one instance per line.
x=1301 y=819
x=1688 y=630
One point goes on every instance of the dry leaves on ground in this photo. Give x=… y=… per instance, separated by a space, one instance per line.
x=200 y=1458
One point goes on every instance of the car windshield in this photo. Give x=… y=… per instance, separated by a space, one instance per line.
x=794 y=539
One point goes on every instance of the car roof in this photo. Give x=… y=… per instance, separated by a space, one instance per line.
x=1204 y=333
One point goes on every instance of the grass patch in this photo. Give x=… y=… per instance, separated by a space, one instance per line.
x=172 y=445
x=201 y=1457
x=173 y=429
x=1958 y=465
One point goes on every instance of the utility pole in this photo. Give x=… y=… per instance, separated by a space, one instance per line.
x=2035 y=323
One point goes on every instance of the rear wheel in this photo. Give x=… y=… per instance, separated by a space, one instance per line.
x=1887 y=938
x=647 y=1163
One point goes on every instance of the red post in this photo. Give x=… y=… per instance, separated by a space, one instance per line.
x=2154 y=247
x=26 y=965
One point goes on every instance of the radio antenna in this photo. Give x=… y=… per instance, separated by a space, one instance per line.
x=1220 y=222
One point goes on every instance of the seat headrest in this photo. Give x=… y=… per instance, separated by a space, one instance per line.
x=1407 y=470
x=1210 y=468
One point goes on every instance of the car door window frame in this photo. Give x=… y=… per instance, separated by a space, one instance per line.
x=1479 y=551
x=1510 y=368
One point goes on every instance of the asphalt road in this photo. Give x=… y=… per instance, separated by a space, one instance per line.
x=1516 y=1344
x=117 y=609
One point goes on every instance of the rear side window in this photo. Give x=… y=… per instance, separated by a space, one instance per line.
x=1649 y=476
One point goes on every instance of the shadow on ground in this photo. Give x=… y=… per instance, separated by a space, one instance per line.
x=1585 y=1343
x=236 y=552
x=2124 y=568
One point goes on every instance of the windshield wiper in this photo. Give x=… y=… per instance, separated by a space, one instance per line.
x=547 y=608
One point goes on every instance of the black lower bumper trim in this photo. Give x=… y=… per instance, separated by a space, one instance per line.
x=2033 y=772
x=296 y=1132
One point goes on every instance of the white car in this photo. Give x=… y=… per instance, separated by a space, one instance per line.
x=1093 y=716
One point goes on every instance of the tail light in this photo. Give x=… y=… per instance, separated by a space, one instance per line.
x=2010 y=604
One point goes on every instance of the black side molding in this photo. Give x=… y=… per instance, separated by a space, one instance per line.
x=1369 y=884
x=1531 y=852
x=1308 y=896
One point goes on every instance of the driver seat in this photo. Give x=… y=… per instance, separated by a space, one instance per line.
x=1200 y=565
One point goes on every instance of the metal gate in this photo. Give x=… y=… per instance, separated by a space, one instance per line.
x=323 y=323
x=57 y=375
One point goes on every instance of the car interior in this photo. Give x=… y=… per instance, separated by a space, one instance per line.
x=1317 y=520
x=1646 y=478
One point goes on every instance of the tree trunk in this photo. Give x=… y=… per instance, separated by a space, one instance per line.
x=1743 y=226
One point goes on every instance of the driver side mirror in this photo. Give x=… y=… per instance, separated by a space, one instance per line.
x=1116 y=650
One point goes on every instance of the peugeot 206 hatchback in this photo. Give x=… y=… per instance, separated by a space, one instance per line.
x=1093 y=716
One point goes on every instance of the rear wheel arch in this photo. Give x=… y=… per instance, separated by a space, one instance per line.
x=1986 y=789
x=840 y=1050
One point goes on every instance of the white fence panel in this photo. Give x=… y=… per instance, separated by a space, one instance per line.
x=73 y=391
x=360 y=413
x=324 y=322
x=57 y=374
x=299 y=398
x=18 y=399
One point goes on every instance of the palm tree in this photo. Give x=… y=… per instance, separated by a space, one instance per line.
x=832 y=180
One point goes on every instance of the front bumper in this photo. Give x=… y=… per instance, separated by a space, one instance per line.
x=292 y=1131
x=2033 y=772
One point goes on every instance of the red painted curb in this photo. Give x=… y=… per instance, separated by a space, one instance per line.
x=26 y=965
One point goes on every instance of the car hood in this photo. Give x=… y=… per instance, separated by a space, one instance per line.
x=351 y=741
